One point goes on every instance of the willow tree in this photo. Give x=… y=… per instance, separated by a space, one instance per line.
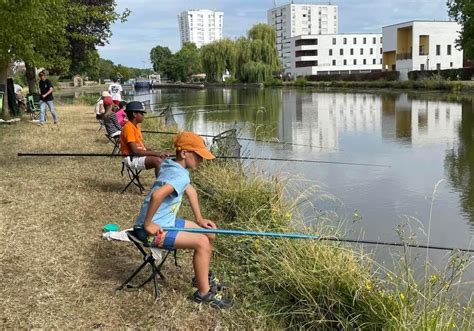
x=217 y=58
x=257 y=56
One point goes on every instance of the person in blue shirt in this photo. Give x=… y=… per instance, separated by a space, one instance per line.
x=160 y=210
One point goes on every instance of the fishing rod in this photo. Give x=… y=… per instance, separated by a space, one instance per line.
x=247 y=139
x=313 y=237
x=187 y=113
x=197 y=106
x=217 y=157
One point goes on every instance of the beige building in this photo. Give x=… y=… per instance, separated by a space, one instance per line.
x=421 y=45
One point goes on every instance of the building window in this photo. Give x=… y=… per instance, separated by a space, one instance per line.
x=334 y=62
x=345 y=41
x=330 y=52
x=422 y=67
x=355 y=41
x=345 y=62
x=365 y=40
x=365 y=61
x=355 y=61
x=352 y=51
x=303 y=64
x=371 y=51
x=438 y=49
x=374 y=61
x=341 y=52
x=380 y=61
x=449 y=49
x=361 y=51
x=451 y=64
x=381 y=51
x=374 y=40
x=334 y=41
x=438 y=66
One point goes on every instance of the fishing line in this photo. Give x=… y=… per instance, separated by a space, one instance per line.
x=187 y=113
x=197 y=106
x=217 y=157
x=247 y=139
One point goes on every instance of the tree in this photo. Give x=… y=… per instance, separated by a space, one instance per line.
x=21 y=38
x=158 y=56
x=183 y=64
x=462 y=11
x=89 y=26
x=218 y=57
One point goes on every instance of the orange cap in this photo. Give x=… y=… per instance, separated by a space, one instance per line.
x=189 y=141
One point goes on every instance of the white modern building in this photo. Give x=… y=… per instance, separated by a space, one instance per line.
x=200 y=26
x=421 y=45
x=300 y=19
x=335 y=54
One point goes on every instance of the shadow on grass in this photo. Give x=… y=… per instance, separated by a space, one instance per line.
x=115 y=186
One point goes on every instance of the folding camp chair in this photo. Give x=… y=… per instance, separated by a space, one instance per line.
x=134 y=176
x=101 y=124
x=149 y=257
x=114 y=139
x=32 y=106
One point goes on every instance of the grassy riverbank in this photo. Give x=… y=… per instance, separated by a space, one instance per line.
x=429 y=84
x=58 y=273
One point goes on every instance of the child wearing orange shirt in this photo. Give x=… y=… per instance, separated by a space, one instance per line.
x=136 y=155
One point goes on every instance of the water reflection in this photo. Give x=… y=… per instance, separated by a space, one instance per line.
x=459 y=161
x=409 y=132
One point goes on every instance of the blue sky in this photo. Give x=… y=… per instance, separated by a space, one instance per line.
x=154 y=22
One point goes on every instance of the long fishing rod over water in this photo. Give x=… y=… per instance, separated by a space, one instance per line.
x=198 y=106
x=187 y=113
x=247 y=139
x=218 y=157
x=313 y=237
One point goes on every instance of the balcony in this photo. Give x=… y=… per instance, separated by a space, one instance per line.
x=404 y=56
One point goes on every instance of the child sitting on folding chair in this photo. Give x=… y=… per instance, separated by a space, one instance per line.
x=136 y=155
x=111 y=123
x=161 y=205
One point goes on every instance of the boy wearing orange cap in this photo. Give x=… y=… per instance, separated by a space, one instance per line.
x=161 y=206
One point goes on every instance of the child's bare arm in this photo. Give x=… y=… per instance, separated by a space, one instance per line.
x=194 y=202
x=157 y=198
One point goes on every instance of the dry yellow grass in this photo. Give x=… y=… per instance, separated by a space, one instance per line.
x=55 y=269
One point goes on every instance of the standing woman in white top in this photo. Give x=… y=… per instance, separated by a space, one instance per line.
x=115 y=90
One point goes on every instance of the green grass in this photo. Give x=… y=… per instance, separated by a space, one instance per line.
x=318 y=285
x=59 y=273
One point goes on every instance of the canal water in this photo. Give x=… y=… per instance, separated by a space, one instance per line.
x=427 y=140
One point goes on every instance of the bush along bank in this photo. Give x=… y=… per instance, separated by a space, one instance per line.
x=432 y=83
x=313 y=284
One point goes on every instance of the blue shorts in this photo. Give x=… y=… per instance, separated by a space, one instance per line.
x=154 y=241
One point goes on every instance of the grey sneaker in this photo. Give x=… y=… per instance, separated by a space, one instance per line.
x=214 y=283
x=215 y=300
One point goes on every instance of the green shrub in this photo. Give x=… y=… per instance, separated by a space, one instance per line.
x=314 y=284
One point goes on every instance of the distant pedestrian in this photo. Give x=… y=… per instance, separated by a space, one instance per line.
x=115 y=90
x=46 y=99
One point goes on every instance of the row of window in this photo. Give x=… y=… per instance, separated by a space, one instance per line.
x=303 y=64
x=314 y=52
x=354 y=40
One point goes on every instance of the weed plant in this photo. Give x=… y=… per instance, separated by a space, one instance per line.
x=317 y=284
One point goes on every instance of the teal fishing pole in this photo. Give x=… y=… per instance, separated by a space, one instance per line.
x=244 y=233
x=313 y=237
